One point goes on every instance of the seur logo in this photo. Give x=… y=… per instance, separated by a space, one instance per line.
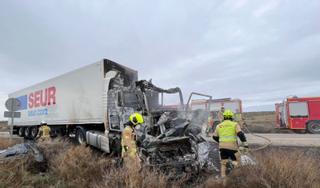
x=40 y=98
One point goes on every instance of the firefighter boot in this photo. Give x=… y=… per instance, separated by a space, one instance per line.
x=238 y=157
x=223 y=168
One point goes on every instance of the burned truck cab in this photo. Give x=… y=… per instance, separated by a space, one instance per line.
x=169 y=138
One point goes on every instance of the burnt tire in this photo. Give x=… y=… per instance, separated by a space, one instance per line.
x=81 y=136
x=313 y=127
x=21 y=131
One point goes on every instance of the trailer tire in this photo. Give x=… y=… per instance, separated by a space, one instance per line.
x=34 y=132
x=81 y=136
x=313 y=127
x=27 y=132
x=21 y=131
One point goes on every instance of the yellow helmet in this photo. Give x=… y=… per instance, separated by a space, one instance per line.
x=136 y=118
x=228 y=114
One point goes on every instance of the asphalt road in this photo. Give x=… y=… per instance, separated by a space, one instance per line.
x=262 y=139
x=309 y=140
x=285 y=139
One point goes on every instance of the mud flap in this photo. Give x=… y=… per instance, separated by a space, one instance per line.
x=105 y=144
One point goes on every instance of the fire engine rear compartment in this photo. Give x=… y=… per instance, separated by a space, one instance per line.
x=299 y=114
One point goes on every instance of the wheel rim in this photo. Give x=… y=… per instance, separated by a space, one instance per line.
x=34 y=132
x=315 y=127
x=21 y=132
x=81 y=139
x=27 y=131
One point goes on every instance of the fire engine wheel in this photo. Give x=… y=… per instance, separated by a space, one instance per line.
x=21 y=131
x=314 y=127
x=81 y=136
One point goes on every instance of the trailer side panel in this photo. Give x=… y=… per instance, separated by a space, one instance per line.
x=72 y=98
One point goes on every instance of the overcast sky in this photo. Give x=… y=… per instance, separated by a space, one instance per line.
x=258 y=51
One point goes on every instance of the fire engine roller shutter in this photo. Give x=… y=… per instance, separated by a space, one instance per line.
x=314 y=111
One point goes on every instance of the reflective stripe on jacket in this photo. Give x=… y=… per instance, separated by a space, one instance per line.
x=227 y=131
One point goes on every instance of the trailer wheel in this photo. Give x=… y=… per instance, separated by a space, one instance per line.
x=21 y=131
x=313 y=127
x=27 y=132
x=81 y=136
x=34 y=132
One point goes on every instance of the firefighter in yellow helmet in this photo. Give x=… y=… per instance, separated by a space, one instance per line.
x=44 y=131
x=128 y=141
x=226 y=135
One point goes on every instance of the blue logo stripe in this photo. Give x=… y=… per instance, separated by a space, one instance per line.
x=24 y=102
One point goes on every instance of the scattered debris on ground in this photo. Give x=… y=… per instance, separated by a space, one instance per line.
x=19 y=150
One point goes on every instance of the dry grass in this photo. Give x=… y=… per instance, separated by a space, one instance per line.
x=262 y=122
x=6 y=142
x=292 y=168
x=79 y=166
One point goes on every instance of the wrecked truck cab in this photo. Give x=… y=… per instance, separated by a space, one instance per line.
x=171 y=138
x=179 y=149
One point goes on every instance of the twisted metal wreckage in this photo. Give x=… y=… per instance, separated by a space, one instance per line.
x=171 y=137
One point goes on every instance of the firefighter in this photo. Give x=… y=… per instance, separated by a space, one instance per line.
x=128 y=141
x=226 y=135
x=44 y=131
x=220 y=114
x=238 y=117
x=210 y=124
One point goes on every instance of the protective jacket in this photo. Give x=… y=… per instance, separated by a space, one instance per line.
x=227 y=133
x=44 y=131
x=128 y=143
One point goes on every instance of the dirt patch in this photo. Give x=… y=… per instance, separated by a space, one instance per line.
x=7 y=142
x=4 y=126
x=262 y=122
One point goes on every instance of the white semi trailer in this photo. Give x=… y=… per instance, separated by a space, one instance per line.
x=76 y=103
x=94 y=102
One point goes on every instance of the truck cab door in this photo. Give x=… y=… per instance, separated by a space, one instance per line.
x=115 y=112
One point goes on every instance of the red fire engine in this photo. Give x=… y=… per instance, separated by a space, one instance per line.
x=299 y=114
